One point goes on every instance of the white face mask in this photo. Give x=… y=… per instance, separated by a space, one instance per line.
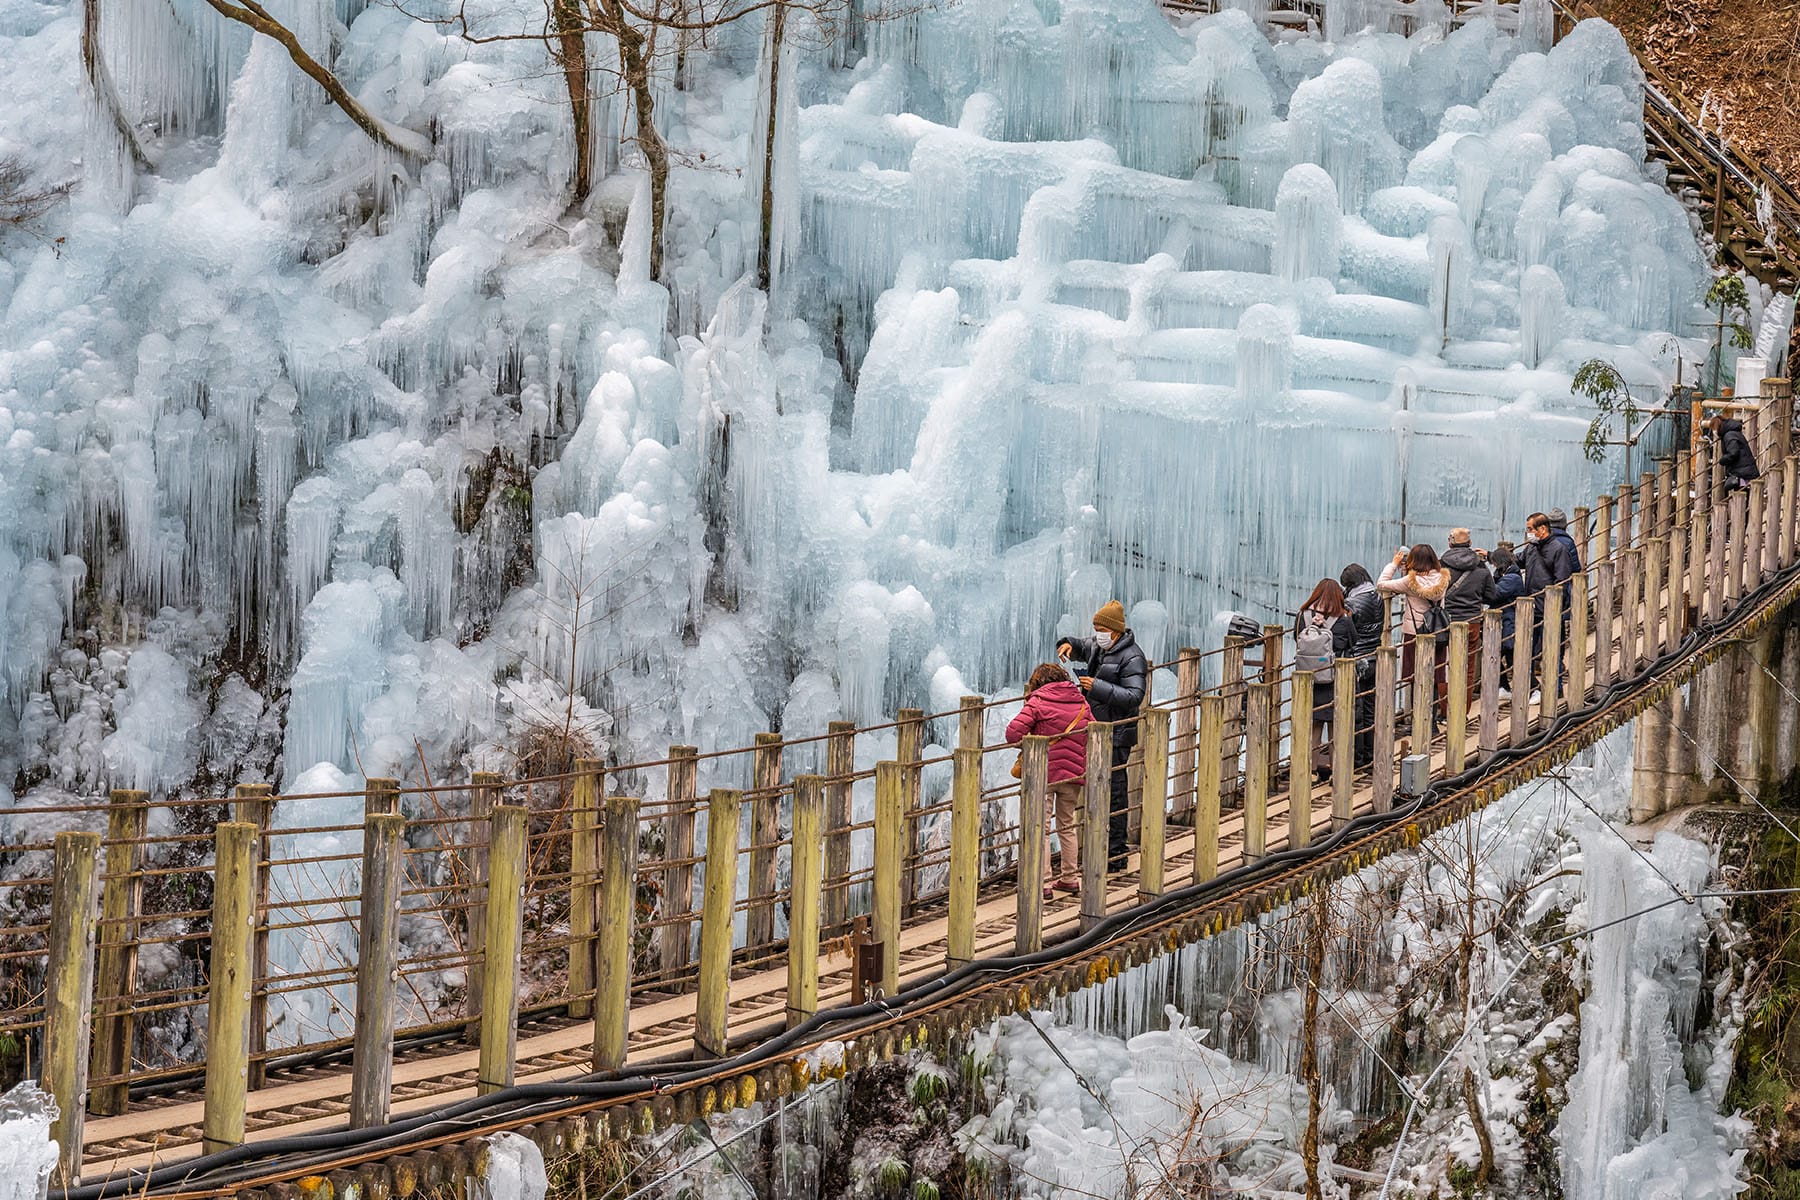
x=1103 y=639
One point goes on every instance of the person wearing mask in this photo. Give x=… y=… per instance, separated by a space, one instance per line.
x=1323 y=633
x=1056 y=709
x=1468 y=595
x=1509 y=585
x=1736 y=458
x=1419 y=580
x=1116 y=682
x=1559 y=529
x=1367 y=614
x=1549 y=561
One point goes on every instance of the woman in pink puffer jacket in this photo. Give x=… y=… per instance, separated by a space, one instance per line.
x=1056 y=709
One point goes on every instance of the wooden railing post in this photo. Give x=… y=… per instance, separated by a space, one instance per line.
x=1258 y=733
x=502 y=943
x=1627 y=534
x=840 y=767
x=69 y=991
x=1578 y=641
x=584 y=871
x=910 y=751
x=765 y=839
x=1343 y=740
x=1153 y=745
x=1734 y=549
x=1753 y=537
x=1300 y=763
x=377 y=970
x=1770 y=525
x=1273 y=637
x=115 y=974
x=889 y=868
x=618 y=922
x=1646 y=507
x=1034 y=785
x=1790 y=504
x=1676 y=584
x=484 y=795
x=1422 y=690
x=1627 y=583
x=1718 y=530
x=724 y=816
x=1602 y=541
x=965 y=853
x=1524 y=633
x=677 y=936
x=804 y=880
x=1493 y=644
x=1181 y=740
x=1096 y=799
x=1578 y=529
x=1665 y=499
x=236 y=850
x=1381 y=766
x=1456 y=700
x=1606 y=595
x=1234 y=690
x=1550 y=667
x=255 y=803
x=1209 y=736
x=1655 y=559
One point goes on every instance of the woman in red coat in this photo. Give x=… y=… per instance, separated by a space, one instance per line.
x=1056 y=709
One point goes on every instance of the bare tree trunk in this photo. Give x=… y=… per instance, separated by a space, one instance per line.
x=764 y=265
x=1472 y=1100
x=105 y=91
x=634 y=67
x=1309 y=1048
x=400 y=141
x=571 y=55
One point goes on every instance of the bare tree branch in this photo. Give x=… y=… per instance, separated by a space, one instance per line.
x=392 y=137
x=106 y=92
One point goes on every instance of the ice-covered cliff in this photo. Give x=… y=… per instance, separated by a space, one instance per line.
x=311 y=453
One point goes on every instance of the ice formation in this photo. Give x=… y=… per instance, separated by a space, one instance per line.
x=1068 y=302
x=27 y=1155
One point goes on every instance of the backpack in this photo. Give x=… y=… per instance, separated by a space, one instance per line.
x=1313 y=644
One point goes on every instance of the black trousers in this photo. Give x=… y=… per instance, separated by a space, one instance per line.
x=1365 y=711
x=1118 y=842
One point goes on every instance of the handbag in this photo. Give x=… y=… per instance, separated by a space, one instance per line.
x=1018 y=767
x=1437 y=621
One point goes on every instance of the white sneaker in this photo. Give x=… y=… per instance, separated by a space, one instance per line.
x=1535 y=696
x=1505 y=694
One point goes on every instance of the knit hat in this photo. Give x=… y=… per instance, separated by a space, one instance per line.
x=1459 y=536
x=1558 y=518
x=1111 y=616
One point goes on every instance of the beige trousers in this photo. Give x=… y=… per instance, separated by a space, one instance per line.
x=1062 y=805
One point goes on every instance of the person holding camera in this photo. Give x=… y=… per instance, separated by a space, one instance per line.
x=1420 y=581
x=1116 y=682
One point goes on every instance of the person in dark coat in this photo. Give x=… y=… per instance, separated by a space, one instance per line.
x=1509 y=585
x=1736 y=457
x=1470 y=593
x=1559 y=529
x=1548 y=561
x=1367 y=614
x=1116 y=682
x=1323 y=633
x=1056 y=709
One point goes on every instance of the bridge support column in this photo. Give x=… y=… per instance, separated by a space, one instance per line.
x=1658 y=780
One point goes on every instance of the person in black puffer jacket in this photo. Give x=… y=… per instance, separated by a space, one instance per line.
x=1116 y=683
x=1367 y=614
x=1735 y=455
x=1509 y=585
x=1470 y=593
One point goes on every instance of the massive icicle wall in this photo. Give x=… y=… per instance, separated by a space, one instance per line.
x=1179 y=314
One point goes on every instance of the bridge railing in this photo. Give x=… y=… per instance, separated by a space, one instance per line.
x=352 y=923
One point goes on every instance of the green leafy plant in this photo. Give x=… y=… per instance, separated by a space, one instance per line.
x=1606 y=389
x=1728 y=295
x=891 y=1175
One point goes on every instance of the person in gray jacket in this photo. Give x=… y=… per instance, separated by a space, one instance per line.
x=1367 y=612
x=1116 y=682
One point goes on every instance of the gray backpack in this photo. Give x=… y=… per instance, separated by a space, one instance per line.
x=1312 y=646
